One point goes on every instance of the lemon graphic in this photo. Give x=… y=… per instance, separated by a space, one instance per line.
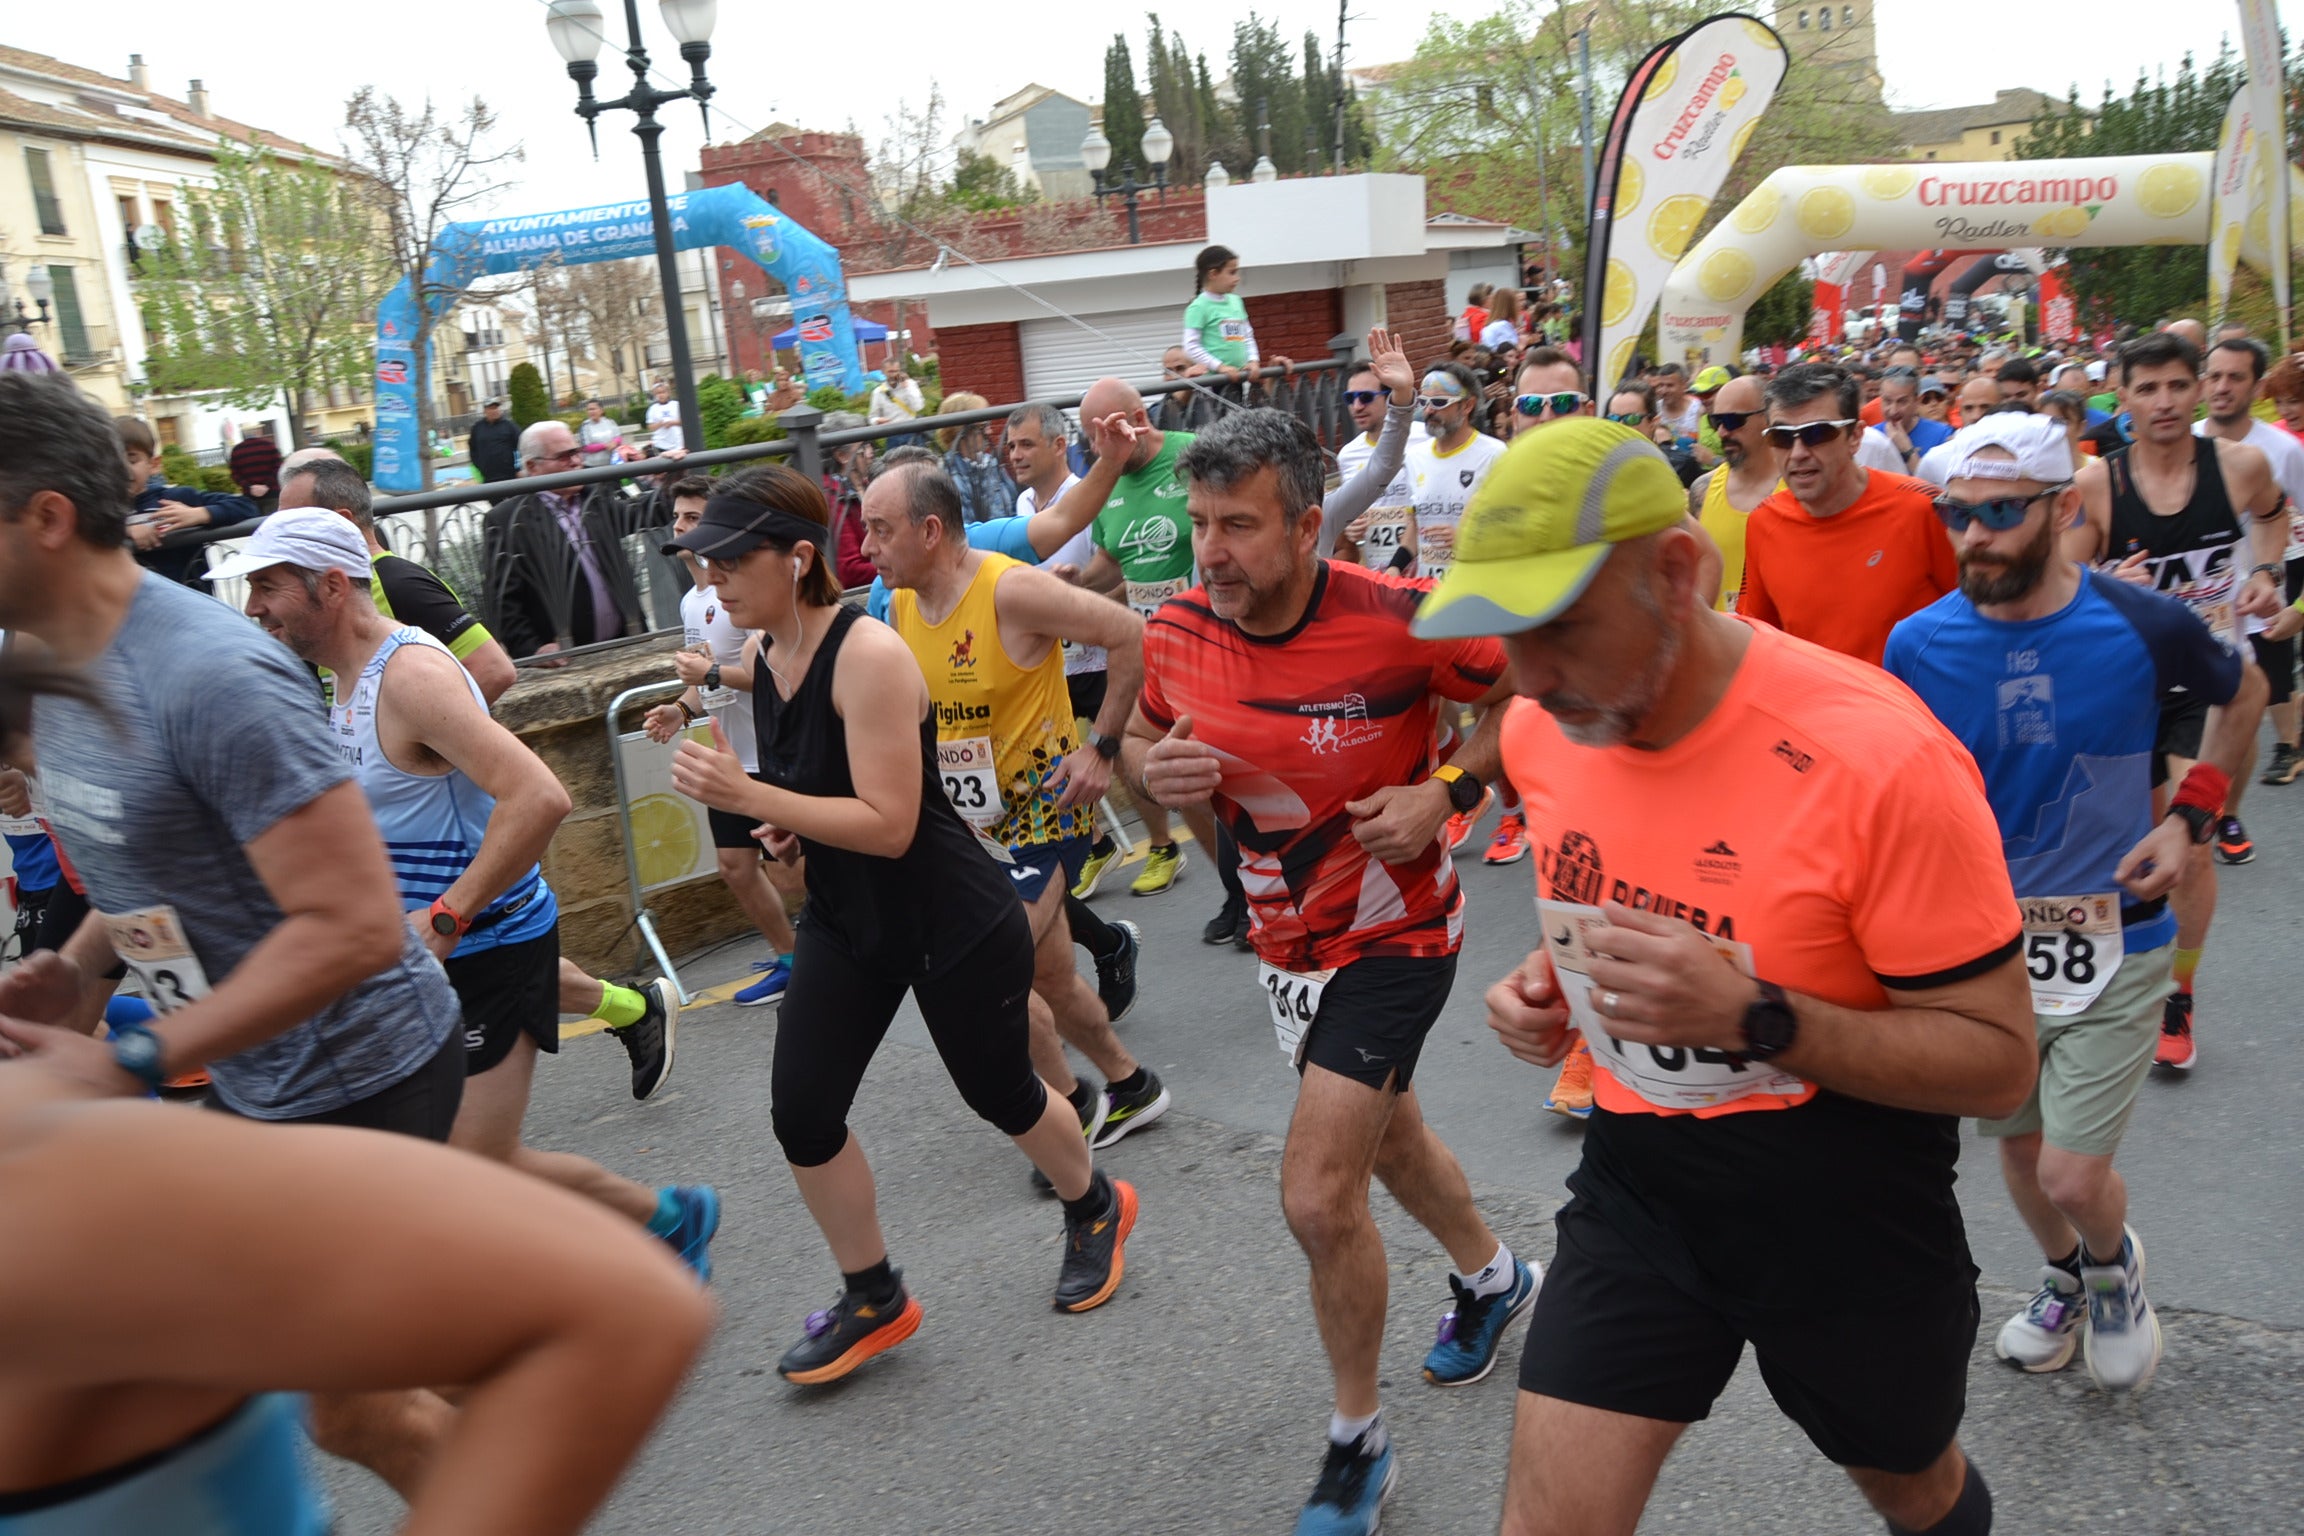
x=1620 y=357
x=1631 y=181
x=2260 y=228
x=1758 y=211
x=2231 y=246
x=1743 y=137
x=2063 y=224
x=1826 y=213
x=1887 y=182
x=664 y=841
x=1661 y=81
x=1761 y=36
x=2168 y=191
x=1673 y=225
x=1616 y=298
x=1726 y=274
x=1732 y=92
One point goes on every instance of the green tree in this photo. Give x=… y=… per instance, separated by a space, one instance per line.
x=1780 y=315
x=1323 y=86
x=1270 y=93
x=526 y=389
x=270 y=288
x=1123 y=106
x=980 y=184
x=720 y=403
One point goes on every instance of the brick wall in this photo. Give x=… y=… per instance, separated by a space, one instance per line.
x=988 y=359
x=1418 y=312
x=1297 y=326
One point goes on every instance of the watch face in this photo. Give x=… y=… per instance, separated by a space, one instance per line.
x=443 y=925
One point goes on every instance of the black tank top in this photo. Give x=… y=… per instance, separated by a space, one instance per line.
x=908 y=917
x=2194 y=554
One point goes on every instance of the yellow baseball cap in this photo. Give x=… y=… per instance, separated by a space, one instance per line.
x=1709 y=381
x=1542 y=523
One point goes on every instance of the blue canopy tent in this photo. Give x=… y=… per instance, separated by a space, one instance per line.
x=865 y=331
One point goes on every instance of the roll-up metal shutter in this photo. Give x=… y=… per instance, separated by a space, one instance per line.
x=1062 y=359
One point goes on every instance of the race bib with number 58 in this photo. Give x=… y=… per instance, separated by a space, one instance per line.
x=2072 y=947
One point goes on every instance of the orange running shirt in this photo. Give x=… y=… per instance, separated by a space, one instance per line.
x=1843 y=582
x=1327 y=713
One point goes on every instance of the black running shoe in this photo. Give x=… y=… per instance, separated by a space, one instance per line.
x=2287 y=762
x=846 y=1334
x=648 y=1039
x=1093 y=1261
x=2233 y=844
x=1225 y=925
x=1116 y=973
x=1125 y=1112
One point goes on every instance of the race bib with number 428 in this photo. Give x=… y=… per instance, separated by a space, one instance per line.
x=1294 y=998
x=1145 y=597
x=151 y=941
x=2072 y=946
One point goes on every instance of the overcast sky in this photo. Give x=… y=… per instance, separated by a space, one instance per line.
x=289 y=70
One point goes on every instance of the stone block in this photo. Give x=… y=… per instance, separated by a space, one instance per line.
x=586 y=859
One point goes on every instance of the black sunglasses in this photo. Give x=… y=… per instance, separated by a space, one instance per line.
x=1363 y=396
x=1566 y=403
x=1814 y=434
x=1725 y=422
x=1999 y=514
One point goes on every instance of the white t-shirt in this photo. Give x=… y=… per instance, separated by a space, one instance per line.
x=1691 y=417
x=1388 y=524
x=900 y=401
x=2287 y=457
x=1874 y=451
x=664 y=419
x=1499 y=334
x=1442 y=484
x=703 y=620
x=1077 y=552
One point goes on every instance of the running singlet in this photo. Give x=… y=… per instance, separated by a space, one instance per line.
x=1843 y=581
x=1144 y=528
x=1076 y=552
x=433 y=822
x=909 y=917
x=704 y=622
x=1726 y=526
x=1001 y=729
x=408 y=592
x=1389 y=525
x=1822 y=824
x=1335 y=709
x=2196 y=556
x=1442 y=482
x=249 y=1475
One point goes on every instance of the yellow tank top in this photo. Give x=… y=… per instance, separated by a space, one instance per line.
x=1001 y=729
x=1726 y=526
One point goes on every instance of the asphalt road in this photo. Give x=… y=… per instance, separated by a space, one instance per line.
x=1197 y=1401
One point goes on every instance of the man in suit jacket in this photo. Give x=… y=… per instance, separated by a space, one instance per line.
x=557 y=574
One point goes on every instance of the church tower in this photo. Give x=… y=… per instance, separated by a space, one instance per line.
x=1833 y=35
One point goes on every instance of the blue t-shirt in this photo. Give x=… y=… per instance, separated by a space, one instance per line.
x=34 y=860
x=2062 y=714
x=1925 y=434
x=1010 y=536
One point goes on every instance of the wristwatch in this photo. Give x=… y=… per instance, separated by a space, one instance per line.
x=1105 y=747
x=445 y=921
x=2200 y=819
x=712 y=676
x=136 y=1051
x=1464 y=789
x=1769 y=1024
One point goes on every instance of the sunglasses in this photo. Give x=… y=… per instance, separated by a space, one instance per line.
x=1725 y=422
x=1362 y=396
x=1813 y=434
x=1627 y=418
x=1441 y=402
x=1999 y=514
x=1567 y=403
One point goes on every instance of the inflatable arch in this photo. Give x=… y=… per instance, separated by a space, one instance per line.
x=1988 y=205
x=733 y=216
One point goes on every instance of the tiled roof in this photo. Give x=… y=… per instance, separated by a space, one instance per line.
x=2016 y=108
x=187 y=129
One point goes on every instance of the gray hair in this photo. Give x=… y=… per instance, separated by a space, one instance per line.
x=54 y=437
x=1239 y=445
x=532 y=438
x=1041 y=417
x=1803 y=382
x=840 y=421
x=337 y=486
x=930 y=493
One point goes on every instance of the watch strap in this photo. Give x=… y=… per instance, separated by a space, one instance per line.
x=136 y=1051
x=1105 y=747
x=2201 y=820
x=440 y=909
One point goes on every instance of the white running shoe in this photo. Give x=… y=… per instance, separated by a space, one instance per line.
x=2043 y=1335
x=2123 y=1345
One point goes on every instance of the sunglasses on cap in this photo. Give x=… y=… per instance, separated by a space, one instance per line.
x=1566 y=403
x=1999 y=514
x=1813 y=434
x=1363 y=396
x=1725 y=422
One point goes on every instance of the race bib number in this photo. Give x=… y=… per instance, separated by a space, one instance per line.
x=1435 y=546
x=28 y=824
x=1146 y=596
x=2072 y=946
x=1669 y=1077
x=1232 y=330
x=969 y=780
x=152 y=943
x=1294 y=998
x=1387 y=532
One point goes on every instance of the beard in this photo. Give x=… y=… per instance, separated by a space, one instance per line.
x=1988 y=579
x=1621 y=716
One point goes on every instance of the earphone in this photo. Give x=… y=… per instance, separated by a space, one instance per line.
x=771 y=666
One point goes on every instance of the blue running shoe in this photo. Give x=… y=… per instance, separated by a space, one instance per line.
x=775 y=976
x=1471 y=1331
x=1348 y=1500
x=691 y=1236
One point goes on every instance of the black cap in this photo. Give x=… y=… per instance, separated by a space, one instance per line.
x=733 y=526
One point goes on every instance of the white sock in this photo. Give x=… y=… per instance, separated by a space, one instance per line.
x=1343 y=1431
x=1494 y=1280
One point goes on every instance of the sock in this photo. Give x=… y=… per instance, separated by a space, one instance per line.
x=2187 y=961
x=1970 y=1514
x=1089 y=931
x=1133 y=1083
x=2089 y=1259
x=1494 y=1280
x=1508 y=797
x=620 y=1006
x=2070 y=1263
x=667 y=1215
x=1343 y=1431
x=1093 y=1204
x=1101 y=848
x=875 y=1284
x=1083 y=1098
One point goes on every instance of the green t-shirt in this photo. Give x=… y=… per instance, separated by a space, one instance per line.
x=1223 y=327
x=1145 y=529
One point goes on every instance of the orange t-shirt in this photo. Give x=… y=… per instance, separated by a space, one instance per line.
x=1844 y=582
x=1873 y=412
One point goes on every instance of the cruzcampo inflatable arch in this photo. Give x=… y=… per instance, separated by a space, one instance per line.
x=734 y=216
x=1990 y=205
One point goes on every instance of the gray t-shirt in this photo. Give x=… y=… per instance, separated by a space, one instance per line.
x=215 y=733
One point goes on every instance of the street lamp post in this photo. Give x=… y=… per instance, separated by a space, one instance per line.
x=576 y=29
x=39 y=285
x=1158 y=144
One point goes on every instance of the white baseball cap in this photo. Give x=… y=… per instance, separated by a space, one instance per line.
x=312 y=537
x=2036 y=446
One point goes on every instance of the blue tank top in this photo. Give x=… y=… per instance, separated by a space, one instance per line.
x=247 y=1476
x=34 y=858
x=433 y=823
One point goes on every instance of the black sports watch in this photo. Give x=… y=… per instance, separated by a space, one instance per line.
x=1769 y=1024
x=1105 y=747
x=712 y=677
x=1464 y=789
x=2201 y=820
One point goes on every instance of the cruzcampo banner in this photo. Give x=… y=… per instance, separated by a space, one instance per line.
x=1684 y=118
x=2241 y=182
x=2260 y=43
x=732 y=216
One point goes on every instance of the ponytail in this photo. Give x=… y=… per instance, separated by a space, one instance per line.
x=1213 y=259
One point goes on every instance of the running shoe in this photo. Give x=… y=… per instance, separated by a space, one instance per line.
x=1472 y=1330
x=1510 y=844
x=2175 y=1050
x=190 y=1082
x=1459 y=829
x=2286 y=763
x=775 y=975
x=1348 y=1499
x=1228 y=923
x=648 y=1039
x=2233 y=844
x=1102 y=857
x=691 y=1236
x=2123 y=1345
x=2043 y=1335
x=847 y=1333
x=1162 y=865
x=1093 y=1257
x=1116 y=973
x=1128 y=1112
x=1571 y=1093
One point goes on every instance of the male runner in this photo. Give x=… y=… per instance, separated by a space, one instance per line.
x=987 y=632
x=1381 y=533
x=2217 y=547
x=1723 y=498
x=2050 y=673
x=1358 y=912
x=1903 y=435
x=1771 y=893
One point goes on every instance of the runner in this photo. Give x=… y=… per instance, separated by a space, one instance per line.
x=1725 y=497
x=2225 y=516
x=2049 y=674
x=987 y=633
x=901 y=898
x=1384 y=534
x=1358 y=912
x=1446 y=468
x=1806 y=966
x=1903 y=435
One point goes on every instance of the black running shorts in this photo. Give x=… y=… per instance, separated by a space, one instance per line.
x=2183 y=719
x=1374 y=1015
x=505 y=991
x=2278 y=659
x=1873 y=1384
